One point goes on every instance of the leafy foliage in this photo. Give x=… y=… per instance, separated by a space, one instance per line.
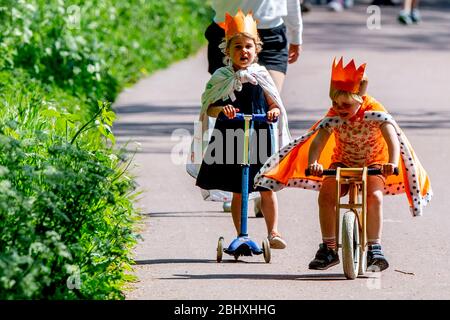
x=95 y=47
x=65 y=211
x=67 y=220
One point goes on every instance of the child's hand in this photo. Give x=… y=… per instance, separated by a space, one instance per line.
x=387 y=169
x=315 y=169
x=272 y=114
x=230 y=111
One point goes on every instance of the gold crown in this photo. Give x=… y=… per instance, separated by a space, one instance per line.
x=238 y=24
x=348 y=78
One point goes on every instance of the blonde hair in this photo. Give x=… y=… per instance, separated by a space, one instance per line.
x=335 y=93
x=225 y=45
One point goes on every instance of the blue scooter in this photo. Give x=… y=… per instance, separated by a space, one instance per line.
x=243 y=245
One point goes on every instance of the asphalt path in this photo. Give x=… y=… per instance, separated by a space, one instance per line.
x=409 y=72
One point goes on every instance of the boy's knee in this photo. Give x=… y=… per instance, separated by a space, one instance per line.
x=375 y=199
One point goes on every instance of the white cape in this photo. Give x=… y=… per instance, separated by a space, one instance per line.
x=222 y=85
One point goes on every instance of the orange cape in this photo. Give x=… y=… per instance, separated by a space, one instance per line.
x=287 y=167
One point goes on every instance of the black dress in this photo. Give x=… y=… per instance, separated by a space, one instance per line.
x=221 y=167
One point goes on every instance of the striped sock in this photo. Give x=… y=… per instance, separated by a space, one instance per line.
x=371 y=242
x=330 y=242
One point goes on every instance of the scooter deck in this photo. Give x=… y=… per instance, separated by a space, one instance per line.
x=243 y=246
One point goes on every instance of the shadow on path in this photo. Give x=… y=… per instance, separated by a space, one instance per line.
x=290 y=277
x=172 y=261
x=158 y=109
x=191 y=214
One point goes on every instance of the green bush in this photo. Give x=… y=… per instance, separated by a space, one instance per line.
x=94 y=48
x=67 y=220
x=66 y=213
x=63 y=216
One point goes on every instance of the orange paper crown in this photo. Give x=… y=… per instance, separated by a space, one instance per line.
x=239 y=23
x=348 y=78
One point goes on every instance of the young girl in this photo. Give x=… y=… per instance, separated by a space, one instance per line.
x=245 y=87
x=357 y=131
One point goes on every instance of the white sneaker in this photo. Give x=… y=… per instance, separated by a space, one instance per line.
x=348 y=3
x=276 y=242
x=335 y=6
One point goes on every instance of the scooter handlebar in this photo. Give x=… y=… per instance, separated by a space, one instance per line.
x=257 y=117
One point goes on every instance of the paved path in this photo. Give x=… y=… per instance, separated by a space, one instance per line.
x=409 y=71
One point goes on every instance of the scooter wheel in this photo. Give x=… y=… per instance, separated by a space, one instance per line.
x=220 y=249
x=266 y=250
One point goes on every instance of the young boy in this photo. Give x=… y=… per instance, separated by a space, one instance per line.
x=357 y=131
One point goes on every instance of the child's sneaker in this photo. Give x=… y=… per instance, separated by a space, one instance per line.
x=275 y=241
x=348 y=3
x=325 y=258
x=404 y=18
x=335 y=6
x=375 y=259
x=415 y=16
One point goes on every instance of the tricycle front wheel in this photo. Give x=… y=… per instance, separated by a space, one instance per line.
x=350 y=245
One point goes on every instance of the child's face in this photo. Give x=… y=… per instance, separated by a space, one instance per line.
x=242 y=51
x=346 y=107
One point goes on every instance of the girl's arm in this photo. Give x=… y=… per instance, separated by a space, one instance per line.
x=228 y=110
x=213 y=111
x=317 y=145
x=390 y=136
x=274 y=110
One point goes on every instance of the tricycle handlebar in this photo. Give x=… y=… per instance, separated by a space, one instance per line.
x=332 y=172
